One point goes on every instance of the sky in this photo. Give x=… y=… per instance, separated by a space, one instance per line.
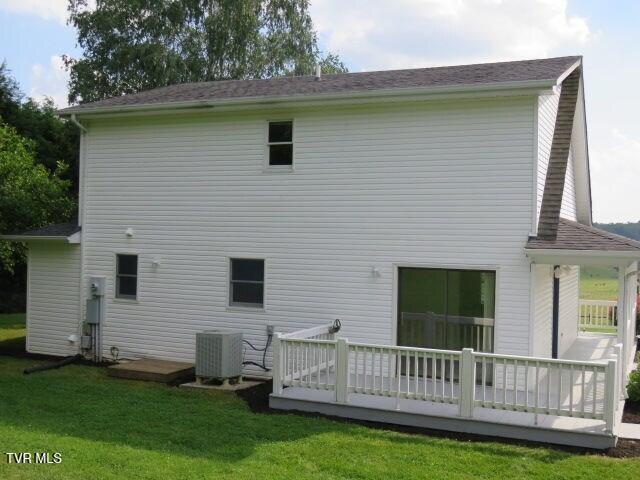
x=382 y=35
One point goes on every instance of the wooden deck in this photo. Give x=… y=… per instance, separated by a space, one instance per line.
x=544 y=427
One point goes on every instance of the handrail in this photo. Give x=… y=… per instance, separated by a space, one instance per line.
x=406 y=349
x=308 y=332
x=609 y=303
x=556 y=361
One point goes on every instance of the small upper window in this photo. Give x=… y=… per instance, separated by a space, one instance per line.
x=127 y=276
x=280 y=143
x=247 y=282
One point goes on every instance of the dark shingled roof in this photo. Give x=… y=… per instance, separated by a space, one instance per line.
x=57 y=230
x=544 y=70
x=576 y=236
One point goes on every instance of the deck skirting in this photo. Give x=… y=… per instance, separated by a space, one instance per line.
x=574 y=438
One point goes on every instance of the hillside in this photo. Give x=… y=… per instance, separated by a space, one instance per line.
x=629 y=229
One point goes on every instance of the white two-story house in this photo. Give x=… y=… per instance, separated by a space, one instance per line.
x=442 y=214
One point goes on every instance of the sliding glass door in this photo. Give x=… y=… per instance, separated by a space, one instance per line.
x=446 y=309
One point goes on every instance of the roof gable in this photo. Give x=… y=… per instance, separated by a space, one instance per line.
x=559 y=156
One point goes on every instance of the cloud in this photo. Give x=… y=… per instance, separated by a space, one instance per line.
x=50 y=81
x=45 y=9
x=615 y=173
x=410 y=33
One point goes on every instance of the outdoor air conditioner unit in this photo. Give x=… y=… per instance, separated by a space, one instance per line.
x=219 y=354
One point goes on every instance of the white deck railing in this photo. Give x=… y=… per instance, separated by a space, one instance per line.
x=598 y=315
x=469 y=379
x=424 y=374
x=306 y=357
x=547 y=386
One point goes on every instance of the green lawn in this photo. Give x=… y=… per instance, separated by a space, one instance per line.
x=12 y=332
x=107 y=428
x=598 y=283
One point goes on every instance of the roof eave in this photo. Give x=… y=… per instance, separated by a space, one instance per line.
x=582 y=257
x=72 y=239
x=521 y=86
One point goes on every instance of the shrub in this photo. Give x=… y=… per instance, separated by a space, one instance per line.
x=633 y=388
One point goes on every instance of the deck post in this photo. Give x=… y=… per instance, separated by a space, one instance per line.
x=618 y=352
x=467 y=383
x=276 y=369
x=342 y=370
x=610 y=395
x=622 y=317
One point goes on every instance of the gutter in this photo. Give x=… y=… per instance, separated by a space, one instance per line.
x=622 y=254
x=268 y=100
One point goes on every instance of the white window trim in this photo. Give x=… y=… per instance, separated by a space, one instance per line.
x=246 y=307
x=267 y=168
x=396 y=266
x=116 y=298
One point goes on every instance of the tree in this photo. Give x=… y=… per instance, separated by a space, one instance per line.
x=134 y=45
x=30 y=196
x=54 y=139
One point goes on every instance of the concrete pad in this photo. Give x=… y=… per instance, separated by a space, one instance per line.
x=629 y=431
x=227 y=388
x=152 y=370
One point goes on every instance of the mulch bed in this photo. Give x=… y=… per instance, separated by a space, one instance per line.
x=631 y=412
x=257 y=399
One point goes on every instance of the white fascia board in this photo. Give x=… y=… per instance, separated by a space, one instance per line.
x=568 y=71
x=392 y=94
x=582 y=169
x=580 y=257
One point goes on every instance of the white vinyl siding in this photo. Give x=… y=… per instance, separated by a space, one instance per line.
x=547 y=112
x=569 y=304
x=542 y=309
x=568 y=207
x=52 y=297
x=433 y=184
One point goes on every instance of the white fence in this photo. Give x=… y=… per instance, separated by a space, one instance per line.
x=465 y=378
x=598 y=315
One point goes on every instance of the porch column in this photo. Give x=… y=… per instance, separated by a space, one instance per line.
x=631 y=282
x=622 y=318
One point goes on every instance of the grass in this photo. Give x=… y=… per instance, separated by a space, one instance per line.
x=12 y=332
x=598 y=283
x=113 y=429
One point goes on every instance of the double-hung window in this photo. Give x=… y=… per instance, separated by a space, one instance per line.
x=246 y=286
x=280 y=144
x=127 y=276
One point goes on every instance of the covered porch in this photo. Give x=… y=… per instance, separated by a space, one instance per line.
x=584 y=329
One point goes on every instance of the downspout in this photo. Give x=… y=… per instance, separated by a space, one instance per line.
x=75 y=121
x=81 y=214
x=555 y=326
